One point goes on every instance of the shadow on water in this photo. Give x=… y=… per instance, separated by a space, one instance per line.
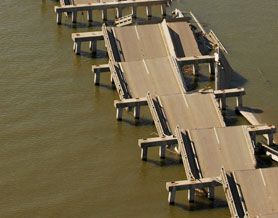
x=108 y=87
x=233 y=118
x=237 y=80
x=98 y=54
x=166 y=162
x=137 y=122
x=198 y=206
x=230 y=117
x=263 y=161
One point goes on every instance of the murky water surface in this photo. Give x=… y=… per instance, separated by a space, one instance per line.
x=63 y=154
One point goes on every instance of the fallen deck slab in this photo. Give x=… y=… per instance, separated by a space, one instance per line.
x=212 y=148
x=252 y=193
x=189 y=111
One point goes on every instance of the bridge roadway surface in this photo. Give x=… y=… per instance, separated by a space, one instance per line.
x=189 y=111
x=230 y=147
x=158 y=76
x=183 y=39
x=259 y=191
x=147 y=68
x=149 y=41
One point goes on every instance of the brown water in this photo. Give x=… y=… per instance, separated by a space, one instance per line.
x=63 y=154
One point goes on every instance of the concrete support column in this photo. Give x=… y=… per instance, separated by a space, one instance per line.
x=97 y=76
x=93 y=46
x=239 y=101
x=171 y=197
x=59 y=17
x=211 y=193
x=137 y=112
x=270 y=139
x=162 y=151
x=104 y=14
x=119 y=12
x=77 y=48
x=195 y=69
x=211 y=68
x=253 y=137
x=223 y=103
x=111 y=79
x=163 y=10
x=90 y=15
x=191 y=194
x=119 y=113
x=74 y=16
x=144 y=153
x=217 y=77
x=134 y=12
x=149 y=11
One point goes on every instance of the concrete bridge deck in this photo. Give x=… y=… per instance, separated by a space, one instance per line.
x=252 y=193
x=215 y=147
x=189 y=111
x=158 y=76
x=152 y=41
x=184 y=41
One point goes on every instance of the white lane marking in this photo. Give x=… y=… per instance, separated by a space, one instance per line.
x=138 y=37
x=146 y=67
x=216 y=136
x=262 y=176
x=185 y=100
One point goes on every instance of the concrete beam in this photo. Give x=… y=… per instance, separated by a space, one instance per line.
x=228 y=93
x=196 y=59
x=266 y=130
x=158 y=141
x=87 y=36
x=107 y=5
x=135 y=103
x=130 y=102
x=97 y=69
x=192 y=185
